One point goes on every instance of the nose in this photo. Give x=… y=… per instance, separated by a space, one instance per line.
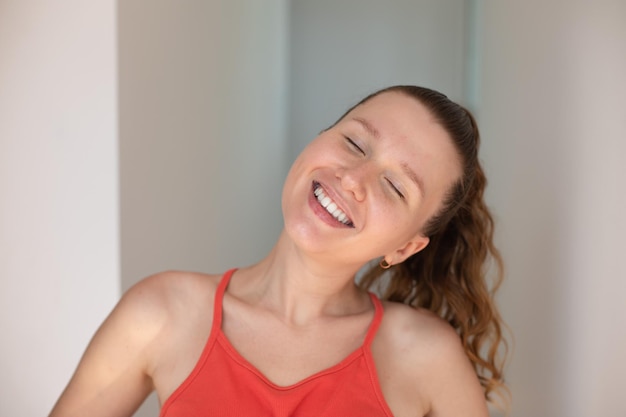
x=353 y=179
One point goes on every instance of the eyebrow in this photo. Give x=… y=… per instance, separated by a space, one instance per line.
x=368 y=127
x=416 y=179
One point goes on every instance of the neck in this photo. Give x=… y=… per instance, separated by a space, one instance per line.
x=301 y=288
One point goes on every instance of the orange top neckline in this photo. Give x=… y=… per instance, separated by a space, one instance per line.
x=223 y=339
x=224 y=384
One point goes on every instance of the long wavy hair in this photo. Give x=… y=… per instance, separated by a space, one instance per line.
x=450 y=276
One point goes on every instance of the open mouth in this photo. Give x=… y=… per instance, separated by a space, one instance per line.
x=330 y=206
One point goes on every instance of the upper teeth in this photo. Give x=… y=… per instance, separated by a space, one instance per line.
x=330 y=206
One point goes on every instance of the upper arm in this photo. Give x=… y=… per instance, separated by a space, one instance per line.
x=425 y=367
x=454 y=390
x=113 y=376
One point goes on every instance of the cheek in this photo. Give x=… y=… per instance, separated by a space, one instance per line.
x=322 y=147
x=404 y=222
x=396 y=222
x=291 y=183
x=308 y=157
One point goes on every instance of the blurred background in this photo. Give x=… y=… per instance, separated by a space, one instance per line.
x=138 y=136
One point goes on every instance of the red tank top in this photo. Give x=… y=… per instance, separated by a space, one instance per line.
x=224 y=384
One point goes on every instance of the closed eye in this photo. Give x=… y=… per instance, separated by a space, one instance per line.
x=354 y=145
x=395 y=189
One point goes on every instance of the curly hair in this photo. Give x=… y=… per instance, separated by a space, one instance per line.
x=449 y=276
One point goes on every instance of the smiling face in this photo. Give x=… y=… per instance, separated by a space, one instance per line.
x=365 y=187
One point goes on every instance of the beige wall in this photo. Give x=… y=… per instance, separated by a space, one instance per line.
x=343 y=50
x=59 y=261
x=202 y=103
x=202 y=135
x=553 y=121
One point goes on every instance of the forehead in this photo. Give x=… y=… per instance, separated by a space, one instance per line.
x=397 y=111
x=409 y=132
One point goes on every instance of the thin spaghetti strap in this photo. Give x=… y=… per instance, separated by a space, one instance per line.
x=206 y=351
x=378 y=318
x=219 y=296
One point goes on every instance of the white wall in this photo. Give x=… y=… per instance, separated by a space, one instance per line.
x=554 y=127
x=202 y=135
x=59 y=263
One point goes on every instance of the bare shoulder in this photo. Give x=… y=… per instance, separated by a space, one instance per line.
x=116 y=371
x=420 y=341
x=425 y=362
x=160 y=299
x=162 y=307
x=419 y=330
x=164 y=293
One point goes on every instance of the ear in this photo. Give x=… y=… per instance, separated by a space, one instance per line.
x=411 y=247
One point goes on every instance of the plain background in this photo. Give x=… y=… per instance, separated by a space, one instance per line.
x=150 y=135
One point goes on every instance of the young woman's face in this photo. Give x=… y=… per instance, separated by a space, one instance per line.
x=365 y=187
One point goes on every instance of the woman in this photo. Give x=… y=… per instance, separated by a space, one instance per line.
x=396 y=179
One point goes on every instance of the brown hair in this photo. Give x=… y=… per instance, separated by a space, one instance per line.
x=449 y=276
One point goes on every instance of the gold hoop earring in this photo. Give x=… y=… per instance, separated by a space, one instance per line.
x=384 y=264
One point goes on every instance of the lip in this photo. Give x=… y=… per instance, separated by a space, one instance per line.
x=322 y=213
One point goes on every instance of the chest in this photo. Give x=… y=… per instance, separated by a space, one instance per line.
x=286 y=354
